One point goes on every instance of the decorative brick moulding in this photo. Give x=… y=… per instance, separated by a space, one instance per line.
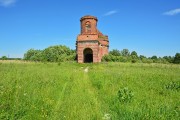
x=91 y=44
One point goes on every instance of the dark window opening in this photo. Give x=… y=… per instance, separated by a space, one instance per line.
x=88 y=27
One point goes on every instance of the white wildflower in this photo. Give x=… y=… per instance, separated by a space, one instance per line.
x=106 y=117
x=86 y=69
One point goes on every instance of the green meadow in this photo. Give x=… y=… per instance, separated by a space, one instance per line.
x=105 y=91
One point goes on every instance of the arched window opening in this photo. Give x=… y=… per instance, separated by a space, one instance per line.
x=88 y=27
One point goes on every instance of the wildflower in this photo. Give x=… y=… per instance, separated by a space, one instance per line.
x=86 y=69
x=106 y=117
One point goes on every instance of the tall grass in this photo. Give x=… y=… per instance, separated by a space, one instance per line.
x=64 y=91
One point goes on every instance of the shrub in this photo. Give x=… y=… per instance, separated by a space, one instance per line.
x=58 y=53
x=107 y=58
x=115 y=52
x=125 y=52
x=134 y=60
x=134 y=53
x=177 y=58
x=169 y=59
x=146 y=60
x=4 y=58
x=112 y=58
x=33 y=55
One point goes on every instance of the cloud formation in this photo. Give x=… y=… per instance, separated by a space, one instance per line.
x=110 y=13
x=172 y=12
x=7 y=3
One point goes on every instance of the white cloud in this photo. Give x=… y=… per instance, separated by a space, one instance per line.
x=172 y=12
x=110 y=13
x=7 y=3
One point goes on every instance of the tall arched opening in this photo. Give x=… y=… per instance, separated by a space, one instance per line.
x=88 y=55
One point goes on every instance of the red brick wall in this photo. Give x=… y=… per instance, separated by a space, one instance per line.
x=92 y=39
x=92 y=21
x=92 y=45
x=87 y=37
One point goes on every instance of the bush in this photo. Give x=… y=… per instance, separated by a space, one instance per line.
x=115 y=52
x=107 y=58
x=112 y=58
x=33 y=55
x=4 y=58
x=58 y=53
x=177 y=58
x=146 y=60
x=134 y=60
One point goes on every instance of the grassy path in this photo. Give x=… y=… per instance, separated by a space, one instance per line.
x=79 y=101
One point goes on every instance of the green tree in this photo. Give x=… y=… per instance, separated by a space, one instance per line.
x=33 y=55
x=4 y=58
x=177 y=58
x=134 y=57
x=51 y=54
x=115 y=52
x=142 y=57
x=154 y=57
x=134 y=53
x=169 y=59
x=107 y=58
x=147 y=60
x=125 y=52
x=57 y=53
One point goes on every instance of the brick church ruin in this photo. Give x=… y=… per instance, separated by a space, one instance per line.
x=91 y=44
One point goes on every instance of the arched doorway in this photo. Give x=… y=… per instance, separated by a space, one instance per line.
x=88 y=55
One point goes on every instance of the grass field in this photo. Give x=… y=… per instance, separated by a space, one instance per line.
x=106 y=91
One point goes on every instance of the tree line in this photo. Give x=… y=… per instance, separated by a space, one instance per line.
x=126 y=56
x=60 y=53
x=7 y=58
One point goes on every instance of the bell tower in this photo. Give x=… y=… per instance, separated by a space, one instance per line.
x=91 y=44
x=88 y=25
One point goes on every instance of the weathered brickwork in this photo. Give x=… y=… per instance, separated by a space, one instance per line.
x=91 y=44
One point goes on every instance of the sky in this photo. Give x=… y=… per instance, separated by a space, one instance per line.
x=149 y=27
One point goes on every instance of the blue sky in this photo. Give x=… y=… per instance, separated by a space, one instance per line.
x=150 y=27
